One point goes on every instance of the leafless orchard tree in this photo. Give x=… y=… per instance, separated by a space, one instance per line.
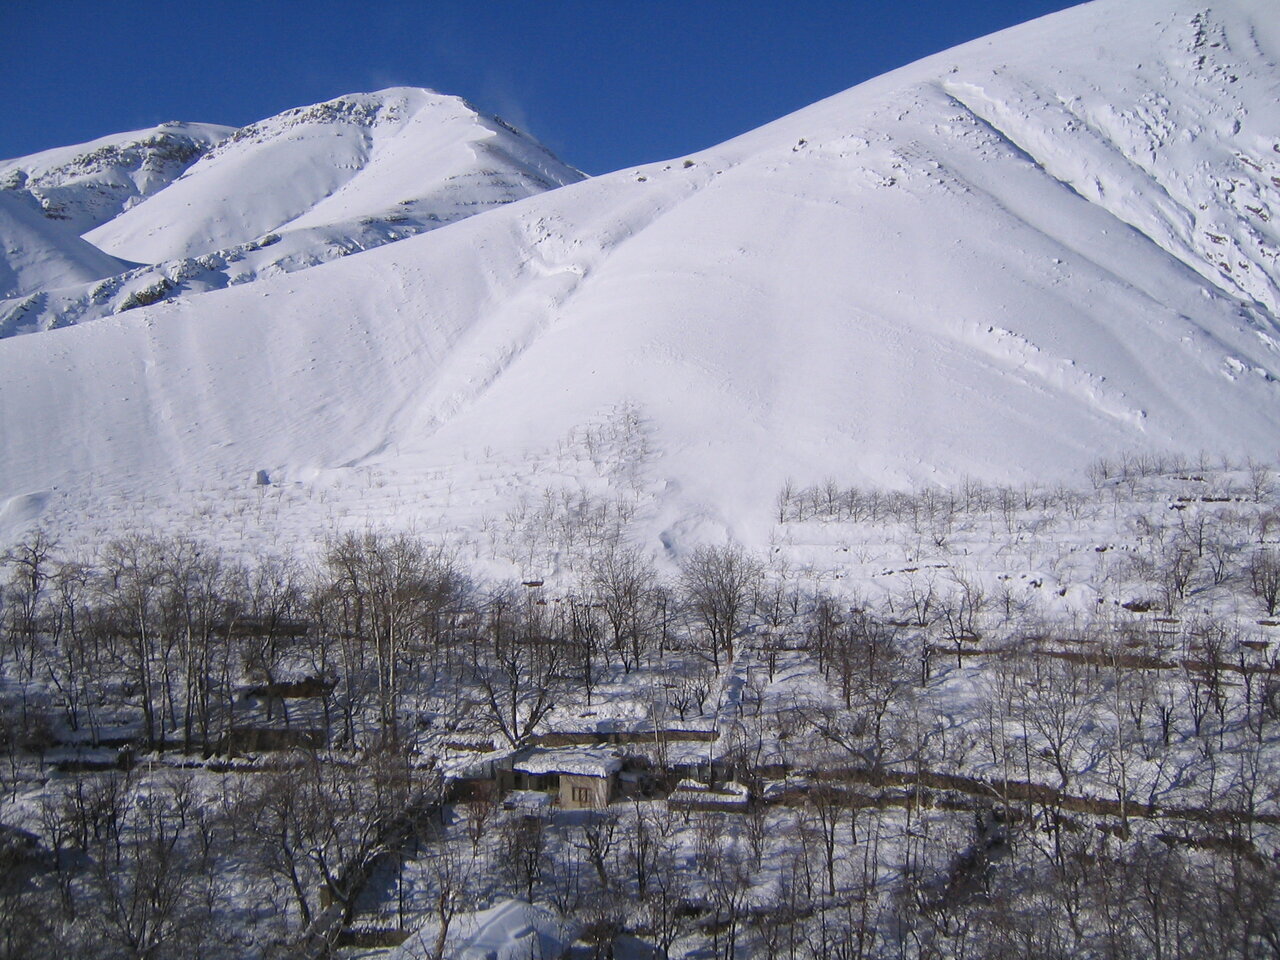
x=1264 y=578
x=519 y=671
x=393 y=594
x=719 y=586
x=622 y=580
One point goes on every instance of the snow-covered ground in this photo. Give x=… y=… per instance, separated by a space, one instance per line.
x=1001 y=261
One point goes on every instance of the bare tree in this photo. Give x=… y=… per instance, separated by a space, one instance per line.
x=1264 y=579
x=31 y=565
x=132 y=599
x=196 y=611
x=519 y=672
x=390 y=593
x=621 y=580
x=719 y=585
x=146 y=865
x=450 y=876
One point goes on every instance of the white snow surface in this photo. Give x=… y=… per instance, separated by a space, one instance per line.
x=1002 y=261
x=511 y=930
x=87 y=184
x=579 y=761
x=36 y=253
x=330 y=164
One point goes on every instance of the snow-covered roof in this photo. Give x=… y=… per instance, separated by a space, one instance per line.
x=580 y=761
x=728 y=794
x=528 y=801
x=469 y=765
x=510 y=930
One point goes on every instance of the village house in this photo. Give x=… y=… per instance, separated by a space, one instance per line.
x=582 y=777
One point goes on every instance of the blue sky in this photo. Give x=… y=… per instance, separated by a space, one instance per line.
x=604 y=83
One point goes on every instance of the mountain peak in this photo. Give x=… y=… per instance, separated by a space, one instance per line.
x=358 y=155
x=306 y=186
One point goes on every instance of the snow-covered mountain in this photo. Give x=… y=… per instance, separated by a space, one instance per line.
x=1005 y=260
x=48 y=199
x=307 y=186
x=36 y=253
x=85 y=185
x=401 y=155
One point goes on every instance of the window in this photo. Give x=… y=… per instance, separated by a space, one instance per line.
x=581 y=794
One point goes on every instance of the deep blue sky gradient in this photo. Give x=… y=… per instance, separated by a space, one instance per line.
x=604 y=83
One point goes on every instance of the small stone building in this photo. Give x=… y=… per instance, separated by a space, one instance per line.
x=583 y=777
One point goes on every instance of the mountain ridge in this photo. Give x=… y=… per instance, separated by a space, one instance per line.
x=882 y=287
x=307 y=186
x=86 y=184
x=356 y=136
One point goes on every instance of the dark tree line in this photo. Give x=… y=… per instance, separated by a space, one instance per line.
x=171 y=637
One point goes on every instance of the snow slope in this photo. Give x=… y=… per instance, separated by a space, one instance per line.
x=1001 y=261
x=300 y=189
x=331 y=164
x=89 y=183
x=37 y=253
